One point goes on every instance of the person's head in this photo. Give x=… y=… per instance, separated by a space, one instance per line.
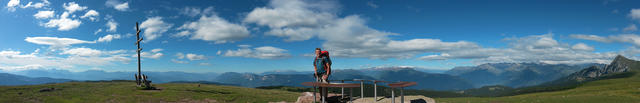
x=318 y=50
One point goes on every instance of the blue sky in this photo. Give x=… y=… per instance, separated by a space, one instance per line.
x=268 y=35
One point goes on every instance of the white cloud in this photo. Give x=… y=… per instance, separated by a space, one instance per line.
x=15 y=60
x=156 y=50
x=97 y=31
x=82 y=52
x=179 y=61
x=344 y=36
x=631 y=27
x=120 y=6
x=622 y=38
x=582 y=46
x=527 y=49
x=294 y=19
x=12 y=4
x=44 y=14
x=91 y=14
x=55 y=42
x=112 y=24
x=180 y=55
x=37 y=5
x=372 y=5
x=635 y=14
x=194 y=11
x=204 y=64
x=108 y=38
x=63 y=23
x=264 y=52
x=73 y=7
x=192 y=56
x=590 y=37
x=152 y=55
x=214 y=29
x=154 y=27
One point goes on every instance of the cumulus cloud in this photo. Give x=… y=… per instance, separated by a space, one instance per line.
x=55 y=42
x=44 y=14
x=154 y=27
x=635 y=14
x=82 y=52
x=14 y=60
x=622 y=38
x=156 y=50
x=179 y=61
x=582 y=46
x=195 y=11
x=180 y=55
x=344 y=36
x=11 y=5
x=215 y=29
x=38 y=5
x=631 y=27
x=294 y=19
x=192 y=56
x=112 y=24
x=91 y=14
x=205 y=64
x=535 y=48
x=97 y=31
x=120 y=6
x=154 y=54
x=108 y=38
x=372 y=5
x=64 y=23
x=73 y=7
x=264 y=52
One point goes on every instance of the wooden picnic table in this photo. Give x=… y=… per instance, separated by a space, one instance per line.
x=400 y=85
x=332 y=85
x=318 y=84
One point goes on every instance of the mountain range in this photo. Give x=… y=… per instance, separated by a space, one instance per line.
x=459 y=78
x=12 y=79
x=515 y=74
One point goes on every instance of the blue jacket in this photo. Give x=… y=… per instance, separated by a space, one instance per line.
x=320 y=64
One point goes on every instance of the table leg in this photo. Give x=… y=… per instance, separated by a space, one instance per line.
x=361 y=89
x=351 y=95
x=401 y=95
x=393 y=96
x=342 y=92
x=375 y=92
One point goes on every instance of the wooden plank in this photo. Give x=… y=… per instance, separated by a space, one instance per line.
x=318 y=84
x=402 y=84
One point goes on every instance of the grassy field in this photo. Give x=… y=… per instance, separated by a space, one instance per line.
x=122 y=91
x=621 y=90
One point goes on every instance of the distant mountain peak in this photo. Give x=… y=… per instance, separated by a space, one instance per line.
x=619 y=65
x=620 y=58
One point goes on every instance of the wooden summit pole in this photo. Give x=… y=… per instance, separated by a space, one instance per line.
x=138 y=39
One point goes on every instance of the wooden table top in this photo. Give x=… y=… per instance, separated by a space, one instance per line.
x=318 y=84
x=401 y=84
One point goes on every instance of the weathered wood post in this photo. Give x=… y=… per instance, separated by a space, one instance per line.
x=138 y=40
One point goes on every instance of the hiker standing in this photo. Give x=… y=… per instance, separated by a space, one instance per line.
x=322 y=66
